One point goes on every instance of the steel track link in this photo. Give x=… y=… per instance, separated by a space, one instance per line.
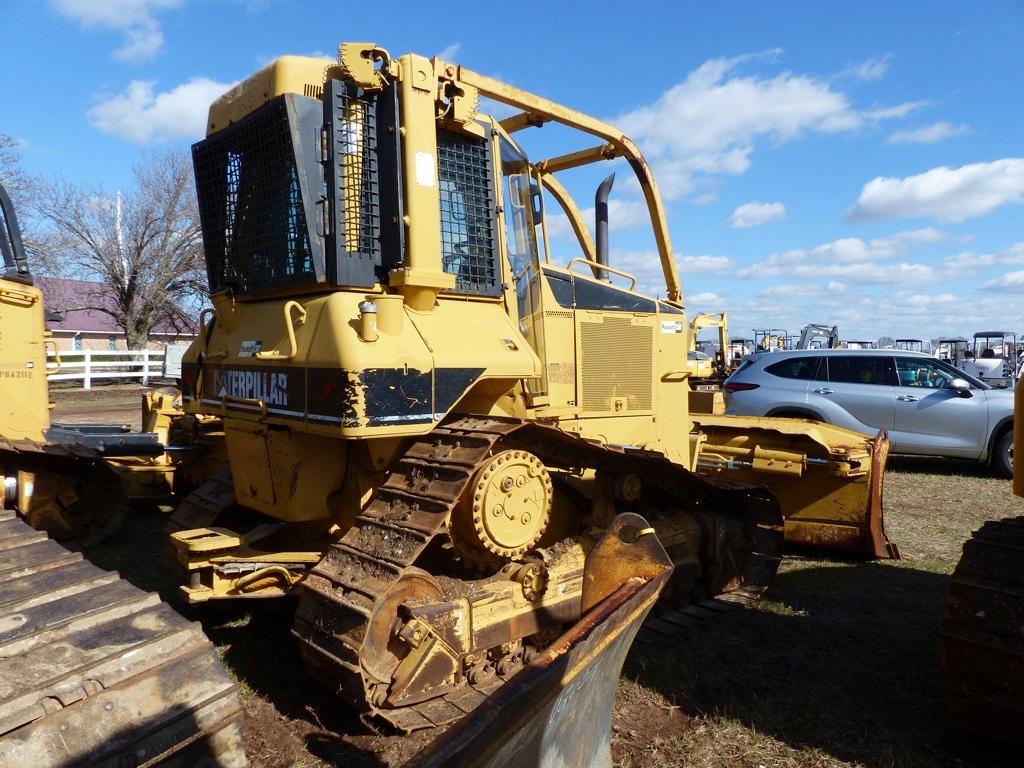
x=95 y=672
x=981 y=650
x=338 y=597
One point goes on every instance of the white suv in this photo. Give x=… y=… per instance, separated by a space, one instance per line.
x=927 y=406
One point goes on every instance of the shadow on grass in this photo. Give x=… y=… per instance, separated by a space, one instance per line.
x=937 y=465
x=842 y=658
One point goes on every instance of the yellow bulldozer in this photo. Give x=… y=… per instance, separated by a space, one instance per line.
x=428 y=421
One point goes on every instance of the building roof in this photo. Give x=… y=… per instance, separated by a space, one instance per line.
x=66 y=299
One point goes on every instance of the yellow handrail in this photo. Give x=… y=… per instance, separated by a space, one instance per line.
x=290 y=328
x=605 y=267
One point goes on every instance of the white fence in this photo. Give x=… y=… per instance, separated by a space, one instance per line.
x=89 y=365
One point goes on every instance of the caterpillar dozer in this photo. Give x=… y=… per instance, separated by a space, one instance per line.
x=981 y=649
x=428 y=421
x=93 y=671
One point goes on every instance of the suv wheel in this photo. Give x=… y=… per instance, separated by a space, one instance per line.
x=1002 y=454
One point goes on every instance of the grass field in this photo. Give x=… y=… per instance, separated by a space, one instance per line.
x=836 y=668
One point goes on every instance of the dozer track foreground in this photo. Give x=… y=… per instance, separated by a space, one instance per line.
x=69 y=491
x=367 y=585
x=95 y=672
x=982 y=633
x=557 y=711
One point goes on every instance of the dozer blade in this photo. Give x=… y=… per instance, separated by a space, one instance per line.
x=557 y=711
x=828 y=480
x=95 y=672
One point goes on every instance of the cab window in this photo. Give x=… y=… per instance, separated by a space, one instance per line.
x=521 y=248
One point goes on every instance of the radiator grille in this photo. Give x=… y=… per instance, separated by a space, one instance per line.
x=617 y=362
x=250 y=201
x=466 y=187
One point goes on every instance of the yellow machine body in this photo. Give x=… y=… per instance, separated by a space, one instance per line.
x=414 y=393
x=319 y=384
x=24 y=397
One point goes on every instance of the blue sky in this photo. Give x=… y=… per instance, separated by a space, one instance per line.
x=857 y=164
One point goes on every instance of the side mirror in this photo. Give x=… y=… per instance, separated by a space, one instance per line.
x=962 y=387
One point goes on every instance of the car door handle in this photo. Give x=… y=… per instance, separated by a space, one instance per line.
x=908 y=398
x=822 y=391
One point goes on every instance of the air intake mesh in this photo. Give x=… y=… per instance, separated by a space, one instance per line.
x=467 y=213
x=254 y=227
x=617 y=362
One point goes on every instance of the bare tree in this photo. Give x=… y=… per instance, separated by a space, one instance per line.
x=144 y=247
x=19 y=185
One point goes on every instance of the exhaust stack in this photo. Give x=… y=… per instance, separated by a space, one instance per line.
x=601 y=224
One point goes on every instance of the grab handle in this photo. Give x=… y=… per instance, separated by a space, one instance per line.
x=289 y=325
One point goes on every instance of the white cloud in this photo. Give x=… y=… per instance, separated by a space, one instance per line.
x=895 y=111
x=968 y=259
x=945 y=194
x=449 y=52
x=706 y=298
x=753 y=214
x=929 y=134
x=708 y=124
x=873 y=68
x=134 y=19
x=1011 y=281
x=792 y=291
x=703 y=264
x=144 y=117
x=854 y=260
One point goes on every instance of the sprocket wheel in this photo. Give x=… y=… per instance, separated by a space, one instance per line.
x=505 y=510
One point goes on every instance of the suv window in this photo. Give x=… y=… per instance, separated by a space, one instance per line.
x=857 y=369
x=794 y=368
x=919 y=372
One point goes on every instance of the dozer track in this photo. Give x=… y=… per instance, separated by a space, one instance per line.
x=69 y=491
x=95 y=672
x=347 y=611
x=982 y=633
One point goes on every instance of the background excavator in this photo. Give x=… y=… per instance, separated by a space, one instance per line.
x=428 y=421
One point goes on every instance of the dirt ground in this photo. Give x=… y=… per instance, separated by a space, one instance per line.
x=836 y=668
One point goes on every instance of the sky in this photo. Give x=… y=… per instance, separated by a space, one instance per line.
x=854 y=164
